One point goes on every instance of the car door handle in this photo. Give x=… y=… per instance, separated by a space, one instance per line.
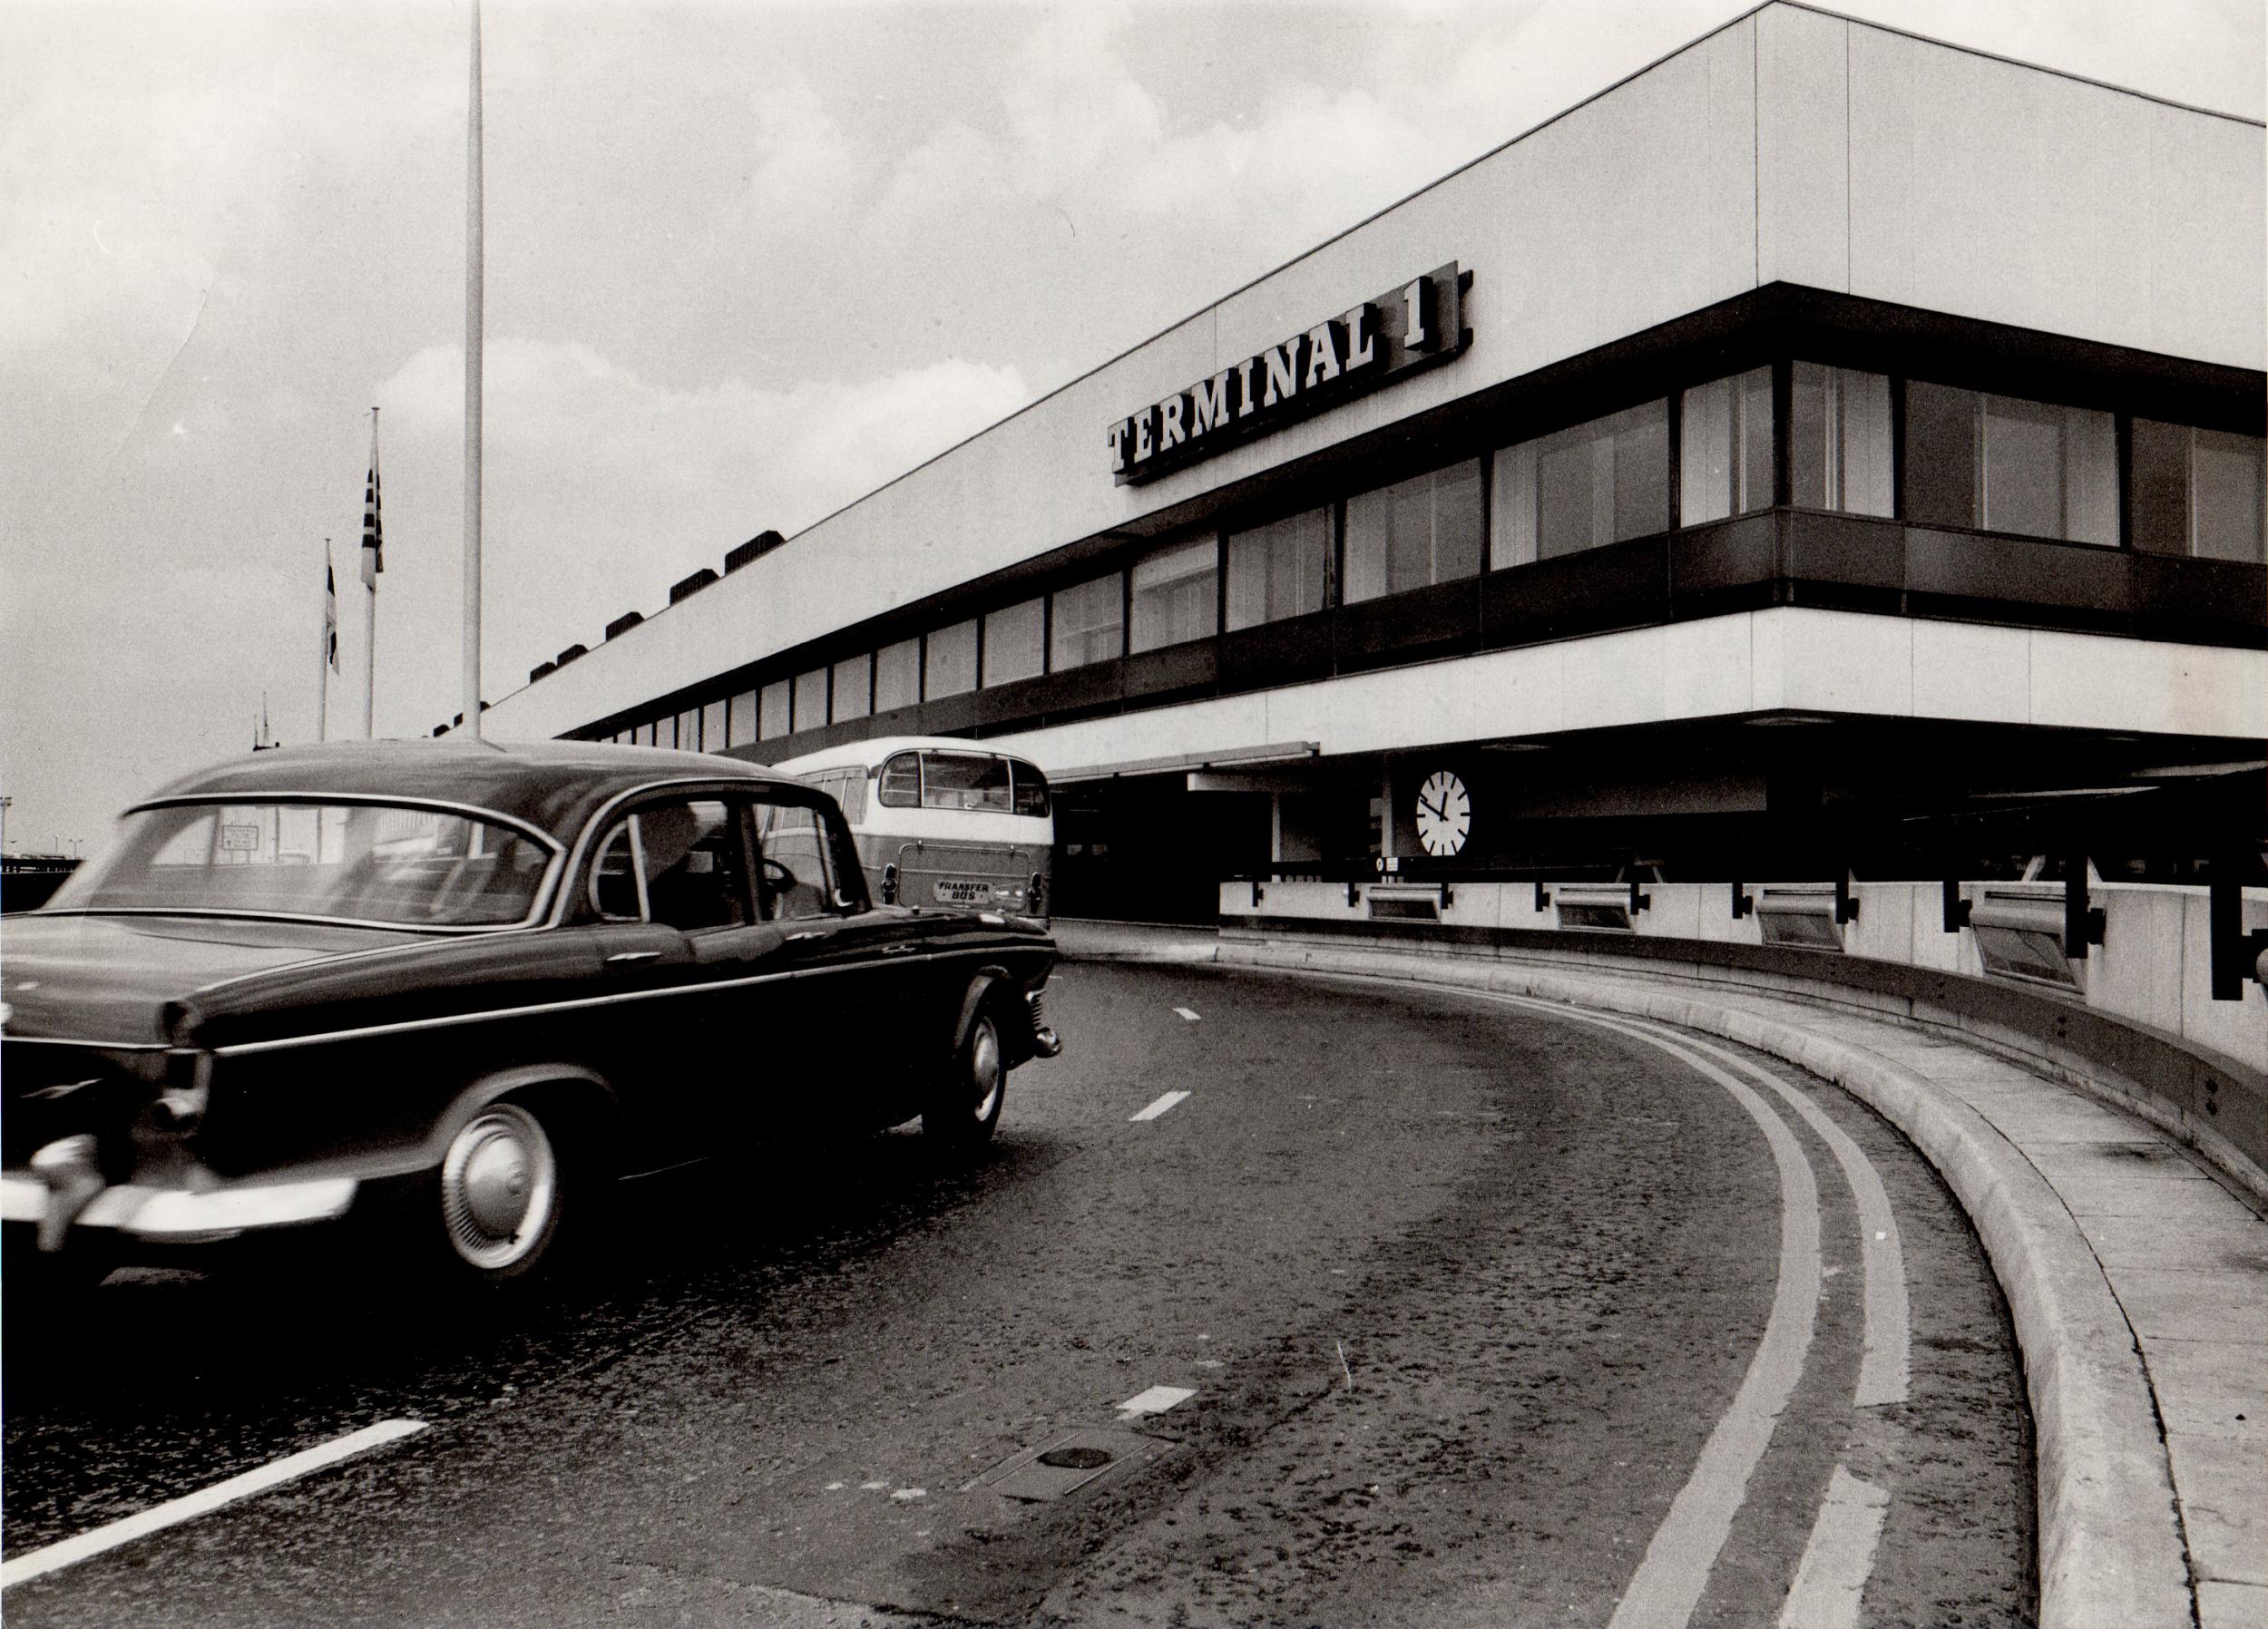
x=620 y=956
x=807 y=933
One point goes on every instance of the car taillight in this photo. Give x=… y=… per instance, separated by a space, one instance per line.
x=1035 y=898
x=890 y=884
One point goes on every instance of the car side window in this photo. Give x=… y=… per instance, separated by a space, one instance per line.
x=617 y=892
x=796 y=881
x=692 y=860
x=681 y=863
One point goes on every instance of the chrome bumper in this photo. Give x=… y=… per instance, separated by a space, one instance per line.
x=175 y=1215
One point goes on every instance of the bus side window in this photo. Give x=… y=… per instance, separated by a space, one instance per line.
x=1031 y=788
x=902 y=782
x=850 y=790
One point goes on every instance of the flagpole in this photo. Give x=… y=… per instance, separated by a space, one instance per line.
x=372 y=564
x=323 y=655
x=473 y=278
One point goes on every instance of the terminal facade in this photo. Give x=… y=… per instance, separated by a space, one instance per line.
x=1825 y=453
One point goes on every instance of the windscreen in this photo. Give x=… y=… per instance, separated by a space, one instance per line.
x=346 y=862
x=960 y=780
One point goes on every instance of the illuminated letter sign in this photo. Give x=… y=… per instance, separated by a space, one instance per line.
x=1409 y=327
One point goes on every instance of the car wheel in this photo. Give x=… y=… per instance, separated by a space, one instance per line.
x=499 y=1194
x=967 y=1102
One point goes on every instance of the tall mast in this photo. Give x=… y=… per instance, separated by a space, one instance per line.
x=473 y=289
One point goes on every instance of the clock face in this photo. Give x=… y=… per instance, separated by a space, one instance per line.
x=1444 y=814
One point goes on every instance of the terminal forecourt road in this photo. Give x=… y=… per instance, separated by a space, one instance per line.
x=1352 y=1304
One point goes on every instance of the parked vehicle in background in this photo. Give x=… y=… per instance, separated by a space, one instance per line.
x=942 y=821
x=455 y=989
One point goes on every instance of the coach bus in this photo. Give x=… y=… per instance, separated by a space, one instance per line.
x=942 y=822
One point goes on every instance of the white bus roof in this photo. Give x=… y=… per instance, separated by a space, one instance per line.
x=868 y=753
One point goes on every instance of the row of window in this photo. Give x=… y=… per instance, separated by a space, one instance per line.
x=1994 y=462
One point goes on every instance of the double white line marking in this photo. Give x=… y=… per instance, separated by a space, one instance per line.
x=1839 y=1558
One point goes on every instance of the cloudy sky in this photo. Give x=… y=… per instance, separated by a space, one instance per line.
x=747 y=260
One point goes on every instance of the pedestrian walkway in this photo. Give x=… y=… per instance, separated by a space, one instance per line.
x=2136 y=1277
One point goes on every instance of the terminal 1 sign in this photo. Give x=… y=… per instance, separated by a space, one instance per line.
x=1380 y=340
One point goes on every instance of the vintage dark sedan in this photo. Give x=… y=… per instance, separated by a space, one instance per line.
x=453 y=988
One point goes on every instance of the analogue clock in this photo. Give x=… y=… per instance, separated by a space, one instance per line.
x=1444 y=814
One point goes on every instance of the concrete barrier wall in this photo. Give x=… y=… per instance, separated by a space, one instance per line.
x=2139 y=1025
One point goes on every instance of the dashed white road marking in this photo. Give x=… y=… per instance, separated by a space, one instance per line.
x=68 y=1552
x=1158 y=1108
x=1156 y=1400
x=1839 y=1557
x=1186 y=1013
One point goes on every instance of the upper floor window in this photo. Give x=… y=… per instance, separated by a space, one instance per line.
x=771 y=710
x=1422 y=531
x=949 y=664
x=1176 y=595
x=2007 y=464
x=1013 y=640
x=898 y=675
x=1278 y=569
x=1725 y=448
x=1089 y=623
x=1839 y=440
x=689 y=729
x=1600 y=482
x=740 y=720
x=853 y=688
x=713 y=727
x=2197 y=491
x=810 y=700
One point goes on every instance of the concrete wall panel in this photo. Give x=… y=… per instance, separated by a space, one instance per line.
x=1971 y=670
x=1802 y=149
x=1842 y=662
x=2080 y=679
x=1991 y=189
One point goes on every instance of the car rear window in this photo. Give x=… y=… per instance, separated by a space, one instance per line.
x=373 y=862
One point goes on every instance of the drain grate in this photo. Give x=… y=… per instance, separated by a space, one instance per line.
x=1068 y=1463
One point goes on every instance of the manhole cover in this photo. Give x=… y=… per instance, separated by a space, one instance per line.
x=1068 y=1463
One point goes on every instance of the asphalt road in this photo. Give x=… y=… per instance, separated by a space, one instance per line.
x=1432 y=1309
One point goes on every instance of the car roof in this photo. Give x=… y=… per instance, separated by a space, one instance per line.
x=553 y=785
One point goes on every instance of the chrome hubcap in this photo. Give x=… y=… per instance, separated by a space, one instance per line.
x=499 y=1184
x=984 y=1072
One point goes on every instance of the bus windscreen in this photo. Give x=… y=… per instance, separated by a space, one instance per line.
x=954 y=780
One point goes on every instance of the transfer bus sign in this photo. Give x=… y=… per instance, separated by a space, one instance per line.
x=239 y=839
x=1370 y=344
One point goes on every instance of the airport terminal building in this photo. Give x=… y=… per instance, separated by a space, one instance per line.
x=1826 y=452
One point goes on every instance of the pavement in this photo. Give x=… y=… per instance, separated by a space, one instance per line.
x=2135 y=1276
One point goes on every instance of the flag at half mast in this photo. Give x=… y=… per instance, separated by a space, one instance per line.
x=373 y=546
x=330 y=609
